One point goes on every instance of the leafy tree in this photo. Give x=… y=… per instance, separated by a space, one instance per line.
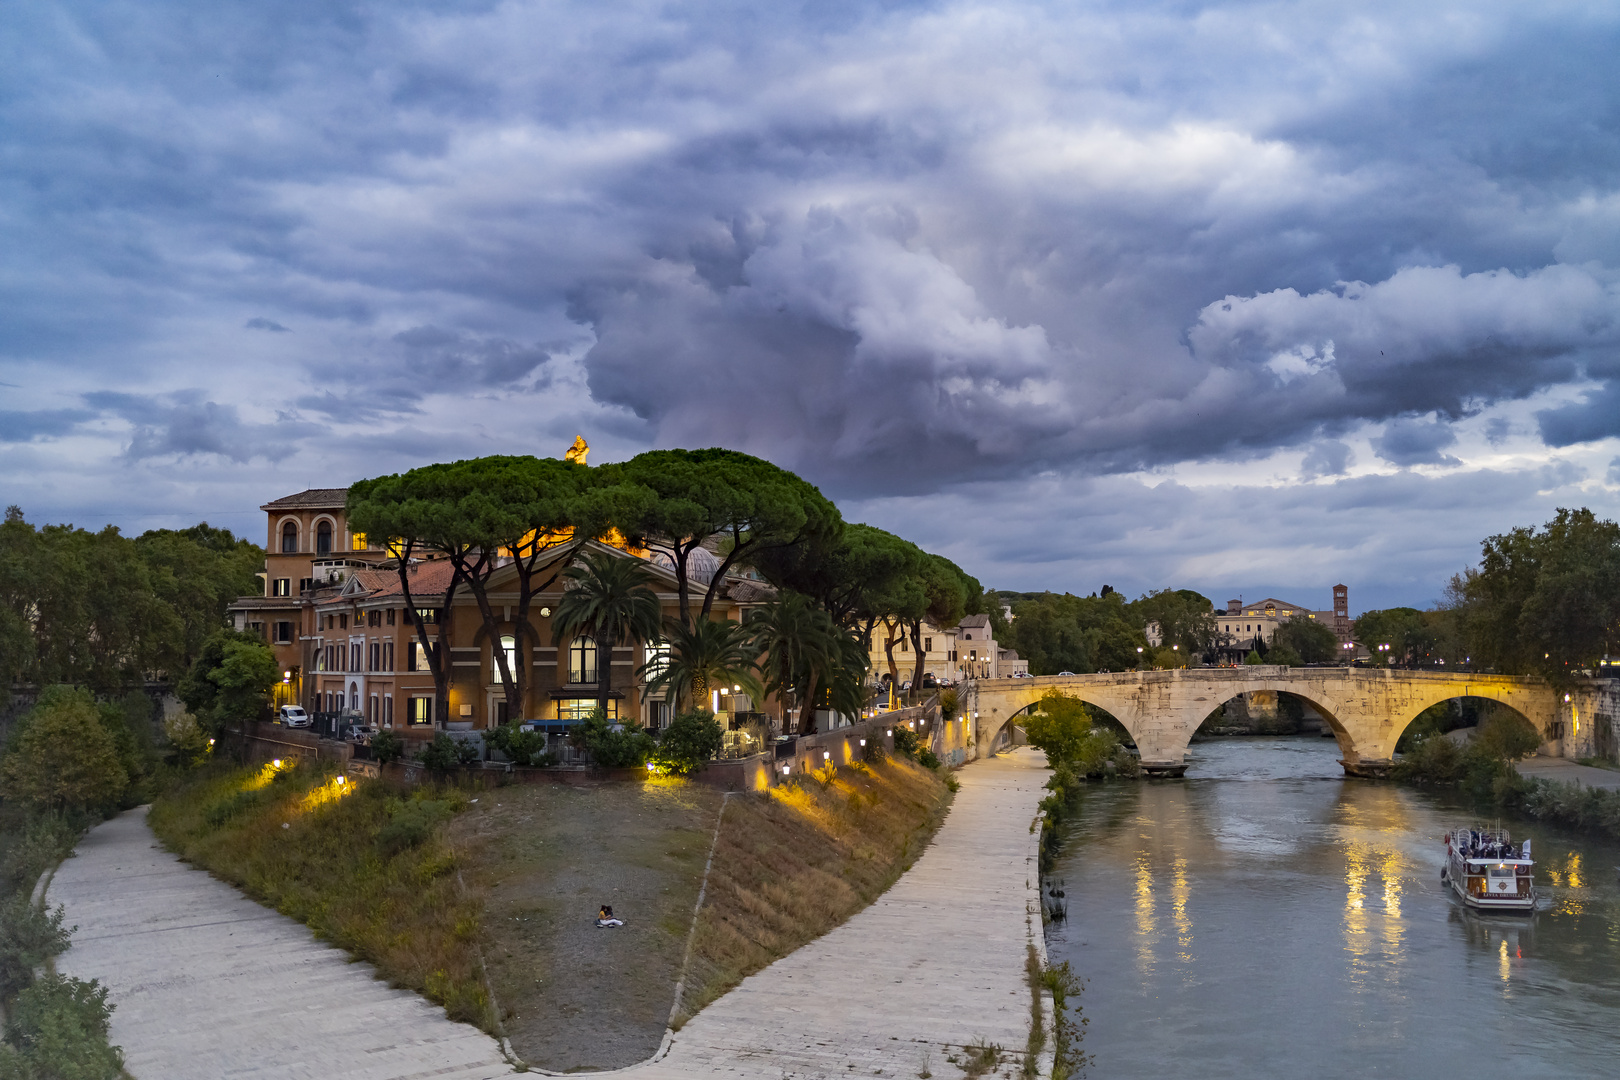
x=688 y=742
x=1065 y=729
x=230 y=680
x=1308 y=641
x=946 y=589
x=479 y=514
x=674 y=500
x=1254 y=658
x=63 y=757
x=709 y=651
x=847 y=574
x=195 y=573
x=610 y=597
x=1546 y=602
x=444 y=753
x=1185 y=618
x=1073 y=633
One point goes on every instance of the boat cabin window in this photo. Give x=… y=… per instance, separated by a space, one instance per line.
x=1501 y=871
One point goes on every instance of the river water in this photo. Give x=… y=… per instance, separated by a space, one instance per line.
x=1266 y=917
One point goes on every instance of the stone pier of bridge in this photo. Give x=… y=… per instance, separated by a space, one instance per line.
x=1367 y=708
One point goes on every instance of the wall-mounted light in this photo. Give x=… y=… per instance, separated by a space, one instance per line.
x=785 y=769
x=863 y=742
x=276 y=763
x=826 y=755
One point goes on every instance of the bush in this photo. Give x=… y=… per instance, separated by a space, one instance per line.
x=188 y=740
x=444 y=753
x=906 y=742
x=626 y=748
x=387 y=746
x=45 y=841
x=58 y=1031
x=950 y=702
x=525 y=748
x=690 y=741
x=29 y=936
x=63 y=757
x=928 y=759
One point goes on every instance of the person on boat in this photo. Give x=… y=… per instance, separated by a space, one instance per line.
x=605 y=917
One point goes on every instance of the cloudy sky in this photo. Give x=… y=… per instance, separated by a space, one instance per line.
x=1252 y=298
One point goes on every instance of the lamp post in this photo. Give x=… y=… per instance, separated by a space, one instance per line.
x=1139 y=656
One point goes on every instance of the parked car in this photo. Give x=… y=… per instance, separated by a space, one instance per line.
x=361 y=734
x=293 y=716
x=1065 y=673
x=929 y=682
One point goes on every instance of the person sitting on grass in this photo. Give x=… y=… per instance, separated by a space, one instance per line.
x=605 y=917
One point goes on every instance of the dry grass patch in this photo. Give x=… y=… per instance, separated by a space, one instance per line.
x=366 y=866
x=794 y=863
x=544 y=857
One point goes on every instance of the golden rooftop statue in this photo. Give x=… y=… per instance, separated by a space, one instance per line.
x=578 y=451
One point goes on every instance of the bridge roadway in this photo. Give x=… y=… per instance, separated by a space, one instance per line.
x=1368 y=708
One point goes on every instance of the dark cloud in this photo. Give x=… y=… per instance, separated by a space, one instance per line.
x=25 y=426
x=1411 y=441
x=1598 y=417
x=902 y=248
x=186 y=425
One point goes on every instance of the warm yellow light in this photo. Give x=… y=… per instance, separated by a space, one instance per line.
x=210 y=742
x=286 y=676
x=276 y=763
x=342 y=780
x=651 y=767
x=826 y=755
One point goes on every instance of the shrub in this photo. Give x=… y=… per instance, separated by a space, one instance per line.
x=626 y=748
x=58 y=1031
x=45 y=841
x=188 y=740
x=906 y=742
x=29 y=936
x=690 y=740
x=928 y=759
x=950 y=703
x=387 y=746
x=444 y=753
x=529 y=748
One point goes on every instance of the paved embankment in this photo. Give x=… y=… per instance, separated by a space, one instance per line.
x=1568 y=772
x=209 y=984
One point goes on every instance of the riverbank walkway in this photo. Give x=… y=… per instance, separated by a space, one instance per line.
x=1565 y=771
x=209 y=984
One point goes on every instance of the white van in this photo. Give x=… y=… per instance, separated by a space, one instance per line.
x=293 y=716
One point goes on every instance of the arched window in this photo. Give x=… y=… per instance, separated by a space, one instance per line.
x=289 y=538
x=509 y=647
x=582 y=660
x=323 y=538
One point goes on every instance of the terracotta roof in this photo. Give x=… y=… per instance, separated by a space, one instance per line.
x=427 y=579
x=750 y=592
x=311 y=499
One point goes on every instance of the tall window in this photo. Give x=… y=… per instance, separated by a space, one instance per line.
x=283 y=587
x=388 y=656
x=657 y=659
x=421 y=710
x=388 y=710
x=419 y=658
x=284 y=633
x=289 y=538
x=390 y=616
x=376 y=656
x=509 y=647
x=323 y=538
x=582 y=660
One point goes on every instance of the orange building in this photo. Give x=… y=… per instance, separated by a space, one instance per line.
x=334 y=611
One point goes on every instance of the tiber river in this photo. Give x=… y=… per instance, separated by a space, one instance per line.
x=1265 y=917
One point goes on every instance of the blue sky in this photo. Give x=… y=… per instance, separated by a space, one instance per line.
x=1251 y=298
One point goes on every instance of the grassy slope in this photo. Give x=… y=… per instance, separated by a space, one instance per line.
x=536 y=861
x=400 y=909
x=793 y=864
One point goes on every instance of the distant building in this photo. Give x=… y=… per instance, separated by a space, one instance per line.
x=1242 y=625
x=967 y=650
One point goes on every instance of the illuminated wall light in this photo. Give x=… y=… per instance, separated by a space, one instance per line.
x=342 y=780
x=785 y=769
x=651 y=767
x=863 y=742
x=276 y=763
x=826 y=755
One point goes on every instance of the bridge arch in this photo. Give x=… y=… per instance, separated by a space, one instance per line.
x=1366 y=708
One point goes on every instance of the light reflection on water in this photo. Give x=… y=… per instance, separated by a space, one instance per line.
x=1266 y=917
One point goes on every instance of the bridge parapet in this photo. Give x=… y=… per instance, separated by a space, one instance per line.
x=1367 y=708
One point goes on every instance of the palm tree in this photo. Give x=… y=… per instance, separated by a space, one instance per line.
x=717 y=651
x=609 y=597
x=802 y=651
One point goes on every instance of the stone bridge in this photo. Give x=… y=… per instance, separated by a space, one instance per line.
x=1368 y=708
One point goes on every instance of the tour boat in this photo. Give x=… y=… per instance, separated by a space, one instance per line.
x=1488 y=872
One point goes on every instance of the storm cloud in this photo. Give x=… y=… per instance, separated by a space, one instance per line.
x=909 y=250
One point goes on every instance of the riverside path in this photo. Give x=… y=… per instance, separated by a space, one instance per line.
x=210 y=984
